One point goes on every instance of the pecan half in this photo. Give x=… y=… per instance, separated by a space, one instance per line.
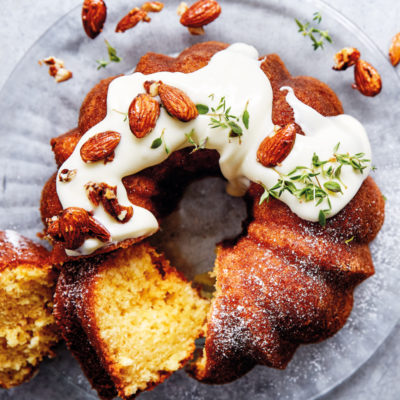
x=394 y=50
x=201 y=13
x=94 y=13
x=152 y=6
x=143 y=114
x=368 y=80
x=177 y=103
x=132 y=19
x=100 y=146
x=107 y=196
x=345 y=58
x=274 y=149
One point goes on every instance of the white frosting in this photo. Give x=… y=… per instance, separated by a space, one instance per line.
x=234 y=73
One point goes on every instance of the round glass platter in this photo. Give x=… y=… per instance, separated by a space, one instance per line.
x=34 y=109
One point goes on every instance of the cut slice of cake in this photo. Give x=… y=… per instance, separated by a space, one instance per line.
x=27 y=327
x=129 y=317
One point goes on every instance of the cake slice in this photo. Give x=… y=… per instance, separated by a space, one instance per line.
x=129 y=318
x=27 y=327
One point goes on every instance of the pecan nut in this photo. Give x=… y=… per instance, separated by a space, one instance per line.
x=107 y=196
x=394 y=50
x=131 y=19
x=345 y=58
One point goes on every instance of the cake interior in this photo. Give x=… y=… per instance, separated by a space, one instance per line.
x=27 y=326
x=148 y=318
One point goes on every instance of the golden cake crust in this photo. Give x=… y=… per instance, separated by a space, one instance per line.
x=312 y=270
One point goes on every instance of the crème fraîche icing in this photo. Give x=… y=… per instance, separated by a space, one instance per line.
x=235 y=76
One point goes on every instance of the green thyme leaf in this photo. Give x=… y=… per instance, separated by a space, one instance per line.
x=202 y=108
x=112 y=53
x=236 y=129
x=322 y=218
x=307 y=30
x=245 y=119
x=156 y=143
x=102 y=64
x=333 y=186
x=265 y=195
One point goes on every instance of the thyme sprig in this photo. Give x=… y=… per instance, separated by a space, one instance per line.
x=303 y=183
x=112 y=56
x=197 y=146
x=221 y=117
x=307 y=30
x=159 y=141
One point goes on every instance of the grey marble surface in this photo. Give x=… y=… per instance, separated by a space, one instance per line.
x=22 y=22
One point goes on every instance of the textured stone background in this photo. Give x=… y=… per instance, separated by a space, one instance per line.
x=22 y=22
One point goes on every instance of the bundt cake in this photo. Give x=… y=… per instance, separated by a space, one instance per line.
x=129 y=318
x=282 y=141
x=27 y=327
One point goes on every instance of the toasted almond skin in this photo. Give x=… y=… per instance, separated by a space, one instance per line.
x=345 y=58
x=368 y=80
x=72 y=227
x=143 y=114
x=107 y=195
x=274 y=149
x=394 y=50
x=100 y=146
x=201 y=13
x=94 y=13
x=152 y=6
x=131 y=19
x=177 y=103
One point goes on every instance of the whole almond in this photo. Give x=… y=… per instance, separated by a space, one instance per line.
x=177 y=103
x=274 y=149
x=152 y=6
x=394 y=51
x=73 y=223
x=345 y=58
x=94 y=13
x=100 y=146
x=368 y=80
x=143 y=114
x=131 y=19
x=201 y=13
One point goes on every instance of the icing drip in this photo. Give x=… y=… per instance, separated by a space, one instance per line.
x=235 y=76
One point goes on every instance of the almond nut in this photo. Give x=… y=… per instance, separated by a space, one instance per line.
x=107 y=195
x=152 y=6
x=394 y=51
x=131 y=19
x=274 y=149
x=100 y=146
x=143 y=114
x=368 y=80
x=94 y=13
x=201 y=13
x=177 y=103
x=73 y=225
x=345 y=58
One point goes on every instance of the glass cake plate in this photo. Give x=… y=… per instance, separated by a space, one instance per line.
x=34 y=109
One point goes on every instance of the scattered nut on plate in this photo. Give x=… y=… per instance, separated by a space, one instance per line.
x=367 y=79
x=198 y=15
x=94 y=13
x=345 y=58
x=394 y=50
x=56 y=69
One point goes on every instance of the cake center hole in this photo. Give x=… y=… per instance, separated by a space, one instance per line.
x=205 y=216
